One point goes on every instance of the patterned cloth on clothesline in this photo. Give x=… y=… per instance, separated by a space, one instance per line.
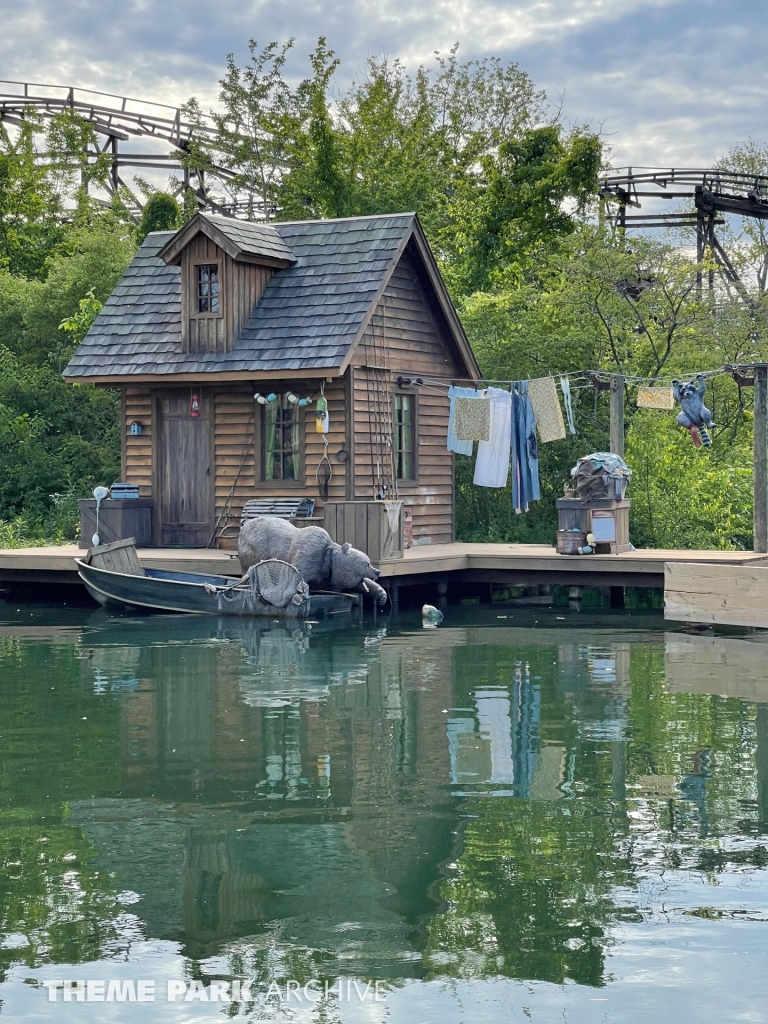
x=546 y=409
x=472 y=419
x=655 y=398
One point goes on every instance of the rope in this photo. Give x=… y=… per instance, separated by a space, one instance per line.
x=580 y=376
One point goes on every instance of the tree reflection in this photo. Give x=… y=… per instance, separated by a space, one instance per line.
x=532 y=894
x=468 y=803
x=56 y=745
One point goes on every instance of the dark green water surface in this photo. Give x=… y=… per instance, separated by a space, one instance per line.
x=537 y=817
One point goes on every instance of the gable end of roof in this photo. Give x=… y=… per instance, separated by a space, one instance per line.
x=244 y=241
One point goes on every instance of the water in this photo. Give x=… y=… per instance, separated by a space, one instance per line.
x=542 y=817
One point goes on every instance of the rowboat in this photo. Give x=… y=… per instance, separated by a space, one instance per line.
x=121 y=581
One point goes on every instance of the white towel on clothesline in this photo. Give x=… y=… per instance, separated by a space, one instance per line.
x=492 y=465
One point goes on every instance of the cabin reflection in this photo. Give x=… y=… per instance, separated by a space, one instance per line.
x=301 y=786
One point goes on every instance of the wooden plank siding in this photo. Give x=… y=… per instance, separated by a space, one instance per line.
x=235 y=441
x=404 y=336
x=236 y=436
x=240 y=287
x=137 y=405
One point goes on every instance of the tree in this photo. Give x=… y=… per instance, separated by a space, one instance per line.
x=161 y=213
x=250 y=135
x=43 y=167
x=505 y=217
x=746 y=238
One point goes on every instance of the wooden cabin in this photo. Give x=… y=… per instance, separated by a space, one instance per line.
x=206 y=318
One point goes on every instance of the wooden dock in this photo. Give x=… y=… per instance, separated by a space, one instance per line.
x=500 y=564
x=735 y=594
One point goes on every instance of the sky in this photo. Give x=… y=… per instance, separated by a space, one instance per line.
x=668 y=82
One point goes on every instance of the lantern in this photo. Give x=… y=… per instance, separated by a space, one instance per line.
x=195 y=404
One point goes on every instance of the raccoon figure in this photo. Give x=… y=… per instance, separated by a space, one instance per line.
x=695 y=416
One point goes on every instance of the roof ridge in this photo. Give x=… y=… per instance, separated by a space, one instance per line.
x=337 y=220
x=237 y=221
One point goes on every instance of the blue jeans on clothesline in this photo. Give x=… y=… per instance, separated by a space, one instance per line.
x=525 y=457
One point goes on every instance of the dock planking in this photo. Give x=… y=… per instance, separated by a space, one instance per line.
x=501 y=564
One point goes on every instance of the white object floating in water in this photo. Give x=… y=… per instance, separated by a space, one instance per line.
x=431 y=616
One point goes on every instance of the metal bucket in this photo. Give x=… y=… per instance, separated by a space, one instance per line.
x=569 y=541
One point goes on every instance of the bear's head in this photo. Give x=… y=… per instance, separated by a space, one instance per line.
x=349 y=567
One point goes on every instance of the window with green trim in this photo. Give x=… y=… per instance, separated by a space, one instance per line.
x=281 y=440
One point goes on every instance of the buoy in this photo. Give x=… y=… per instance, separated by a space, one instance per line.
x=321 y=415
x=431 y=616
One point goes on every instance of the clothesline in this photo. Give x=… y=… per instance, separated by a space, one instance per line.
x=579 y=378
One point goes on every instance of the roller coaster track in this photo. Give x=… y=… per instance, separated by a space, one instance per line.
x=117 y=119
x=712 y=192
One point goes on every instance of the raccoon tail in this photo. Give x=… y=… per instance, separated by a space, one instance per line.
x=706 y=439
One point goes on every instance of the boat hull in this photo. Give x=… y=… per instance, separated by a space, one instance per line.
x=166 y=591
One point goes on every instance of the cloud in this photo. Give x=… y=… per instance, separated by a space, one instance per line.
x=669 y=81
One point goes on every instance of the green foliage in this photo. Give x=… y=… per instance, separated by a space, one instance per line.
x=595 y=301
x=51 y=890
x=684 y=497
x=161 y=213
x=36 y=184
x=516 y=210
x=255 y=124
x=56 y=440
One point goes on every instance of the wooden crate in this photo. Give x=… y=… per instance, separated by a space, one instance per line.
x=575 y=514
x=117 y=557
x=365 y=525
x=119 y=518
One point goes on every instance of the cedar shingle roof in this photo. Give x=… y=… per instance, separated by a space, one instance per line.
x=307 y=318
x=239 y=238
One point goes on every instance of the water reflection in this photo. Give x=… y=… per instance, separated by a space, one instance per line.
x=465 y=803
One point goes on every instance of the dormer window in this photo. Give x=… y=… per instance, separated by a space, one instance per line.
x=207 y=278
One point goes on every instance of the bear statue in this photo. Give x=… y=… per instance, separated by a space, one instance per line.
x=324 y=564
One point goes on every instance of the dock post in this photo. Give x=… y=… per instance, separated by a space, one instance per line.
x=394 y=596
x=442 y=594
x=574 y=597
x=760 y=515
x=617 y=414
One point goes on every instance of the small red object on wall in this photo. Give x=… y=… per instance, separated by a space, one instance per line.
x=194 y=404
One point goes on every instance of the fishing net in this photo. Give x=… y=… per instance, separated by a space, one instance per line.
x=393 y=514
x=271 y=582
x=278 y=583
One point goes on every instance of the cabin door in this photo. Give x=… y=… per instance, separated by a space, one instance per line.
x=185 y=472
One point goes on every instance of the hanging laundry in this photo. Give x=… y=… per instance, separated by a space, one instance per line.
x=454 y=444
x=565 y=387
x=546 y=409
x=492 y=465
x=472 y=419
x=655 y=398
x=525 y=459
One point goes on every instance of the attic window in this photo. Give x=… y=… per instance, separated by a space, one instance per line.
x=207 y=288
